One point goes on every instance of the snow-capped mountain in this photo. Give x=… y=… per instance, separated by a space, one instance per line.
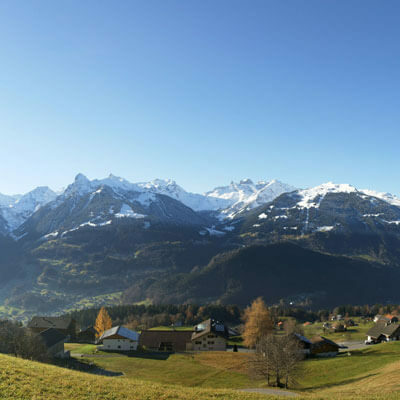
x=15 y=210
x=246 y=195
x=196 y=202
x=98 y=203
x=325 y=208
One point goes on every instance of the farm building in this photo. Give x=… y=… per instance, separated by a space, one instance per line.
x=87 y=335
x=65 y=325
x=120 y=339
x=384 y=332
x=166 y=340
x=210 y=335
x=323 y=347
x=54 y=342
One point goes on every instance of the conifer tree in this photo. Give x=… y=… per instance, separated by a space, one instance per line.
x=103 y=322
x=257 y=323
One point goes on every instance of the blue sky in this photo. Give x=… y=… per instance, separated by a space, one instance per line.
x=203 y=92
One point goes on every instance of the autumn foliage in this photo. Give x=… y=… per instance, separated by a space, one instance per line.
x=257 y=323
x=103 y=322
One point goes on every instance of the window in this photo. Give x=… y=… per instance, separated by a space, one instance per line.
x=197 y=342
x=119 y=346
x=211 y=342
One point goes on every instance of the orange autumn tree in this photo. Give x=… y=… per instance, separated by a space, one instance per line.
x=257 y=323
x=103 y=322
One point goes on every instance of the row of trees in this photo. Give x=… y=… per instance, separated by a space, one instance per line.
x=148 y=316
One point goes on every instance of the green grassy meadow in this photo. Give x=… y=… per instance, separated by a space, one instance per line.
x=353 y=333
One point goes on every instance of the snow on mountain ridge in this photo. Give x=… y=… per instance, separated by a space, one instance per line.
x=246 y=195
x=24 y=206
x=319 y=192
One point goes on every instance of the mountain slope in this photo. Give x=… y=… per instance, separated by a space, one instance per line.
x=280 y=271
x=326 y=208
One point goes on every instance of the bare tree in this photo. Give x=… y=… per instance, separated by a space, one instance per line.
x=276 y=359
x=21 y=342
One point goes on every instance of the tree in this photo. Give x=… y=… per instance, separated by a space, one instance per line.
x=103 y=322
x=276 y=358
x=257 y=323
x=21 y=342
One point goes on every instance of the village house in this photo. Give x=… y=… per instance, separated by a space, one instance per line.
x=388 y=318
x=323 y=347
x=120 y=339
x=210 y=335
x=65 y=325
x=54 y=341
x=87 y=335
x=383 y=332
x=170 y=341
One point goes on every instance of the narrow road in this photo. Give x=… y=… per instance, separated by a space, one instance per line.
x=274 y=392
x=353 y=345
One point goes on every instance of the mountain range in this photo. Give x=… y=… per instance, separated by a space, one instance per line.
x=106 y=240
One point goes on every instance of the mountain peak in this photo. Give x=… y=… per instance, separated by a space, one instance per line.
x=80 y=178
x=246 y=181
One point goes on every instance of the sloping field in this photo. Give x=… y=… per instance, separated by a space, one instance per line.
x=22 y=379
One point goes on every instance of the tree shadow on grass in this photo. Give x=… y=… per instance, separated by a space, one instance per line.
x=162 y=356
x=82 y=366
x=329 y=385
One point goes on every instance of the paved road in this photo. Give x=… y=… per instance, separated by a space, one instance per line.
x=274 y=392
x=353 y=345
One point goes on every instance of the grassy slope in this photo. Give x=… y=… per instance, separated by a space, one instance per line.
x=342 y=370
x=216 y=370
x=318 y=377
x=22 y=379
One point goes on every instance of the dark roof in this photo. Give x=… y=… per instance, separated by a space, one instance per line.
x=51 y=322
x=319 y=340
x=381 y=328
x=51 y=337
x=210 y=326
x=153 y=339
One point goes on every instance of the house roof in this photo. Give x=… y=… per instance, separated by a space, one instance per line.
x=380 y=328
x=210 y=326
x=51 y=337
x=50 y=322
x=120 y=331
x=319 y=340
x=153 y=339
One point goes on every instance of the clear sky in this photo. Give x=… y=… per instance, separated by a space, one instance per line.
x=203 y=92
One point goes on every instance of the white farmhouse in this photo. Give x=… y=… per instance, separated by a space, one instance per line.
x=120 y=339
